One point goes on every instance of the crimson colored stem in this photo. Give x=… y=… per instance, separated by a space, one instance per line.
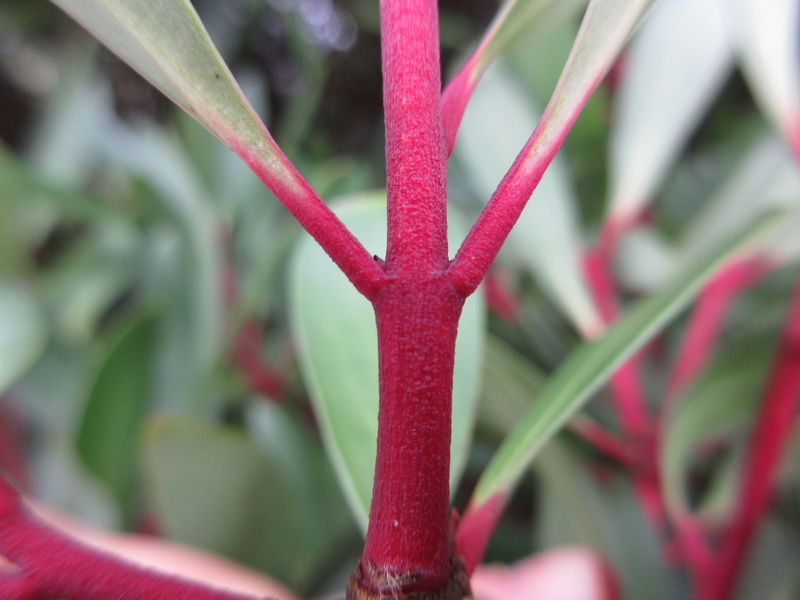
x=53 y=565
x=625 y=383
x=416 y=160
x=769 y=438
x=408 y=549
x=408 y=532
x=320 y=222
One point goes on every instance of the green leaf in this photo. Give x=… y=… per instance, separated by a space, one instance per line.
x=23 y=332
x=265 y=497
x=767 y=37
x=335 y=328
x=675 y=66
x=547 y=237
x=765 y=179
x=520 y=20
x=605 y=515
x=117 y=402
x=167 y=44
x=589 y=367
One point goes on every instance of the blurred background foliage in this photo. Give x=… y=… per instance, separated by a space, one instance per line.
x=148 y=368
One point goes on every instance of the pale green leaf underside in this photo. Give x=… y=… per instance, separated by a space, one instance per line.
x=168 y=45
x=767 y=37
x=23 y=332
x=589 y=367
x=673 y=69
x=337 y=339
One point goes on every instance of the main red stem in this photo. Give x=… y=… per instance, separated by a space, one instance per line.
x=408 y=548
x=408 y=533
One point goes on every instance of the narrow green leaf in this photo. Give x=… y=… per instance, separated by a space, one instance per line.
x=115 y=407
x=765 y=179
x=605 y=515
x=337 y=339
x=547 y=236
x=23 y=332
x=719 y=402
x=168 y=45
x=674 y=67
x=588 y=368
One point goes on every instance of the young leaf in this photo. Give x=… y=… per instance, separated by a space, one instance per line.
x=116 y=404
x=23 y=333
x=168 y=45
x=674 y=67
x=586 y=370
x=337 y=342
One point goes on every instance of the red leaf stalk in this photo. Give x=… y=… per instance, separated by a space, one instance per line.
x=768 y=441
x=318 y=220
x=52 y=565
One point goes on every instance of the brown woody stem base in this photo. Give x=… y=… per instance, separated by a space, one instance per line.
x=369 y=582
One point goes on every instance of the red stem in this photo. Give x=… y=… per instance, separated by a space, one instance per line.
x=408 y=548
x=53 y=565
x=408 y=532
x=495 y=222
x=768 y=441
x=702 y=332
x=416 y=162
x=625 y=384
x=706 y=319
x=248 y=355
x=320 y=222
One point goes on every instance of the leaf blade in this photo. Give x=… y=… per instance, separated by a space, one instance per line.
x=23 y=333
x=588 y=367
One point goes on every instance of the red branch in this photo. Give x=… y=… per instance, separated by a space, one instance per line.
x=768 y=440
x=54 y=566
x=320 y=222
